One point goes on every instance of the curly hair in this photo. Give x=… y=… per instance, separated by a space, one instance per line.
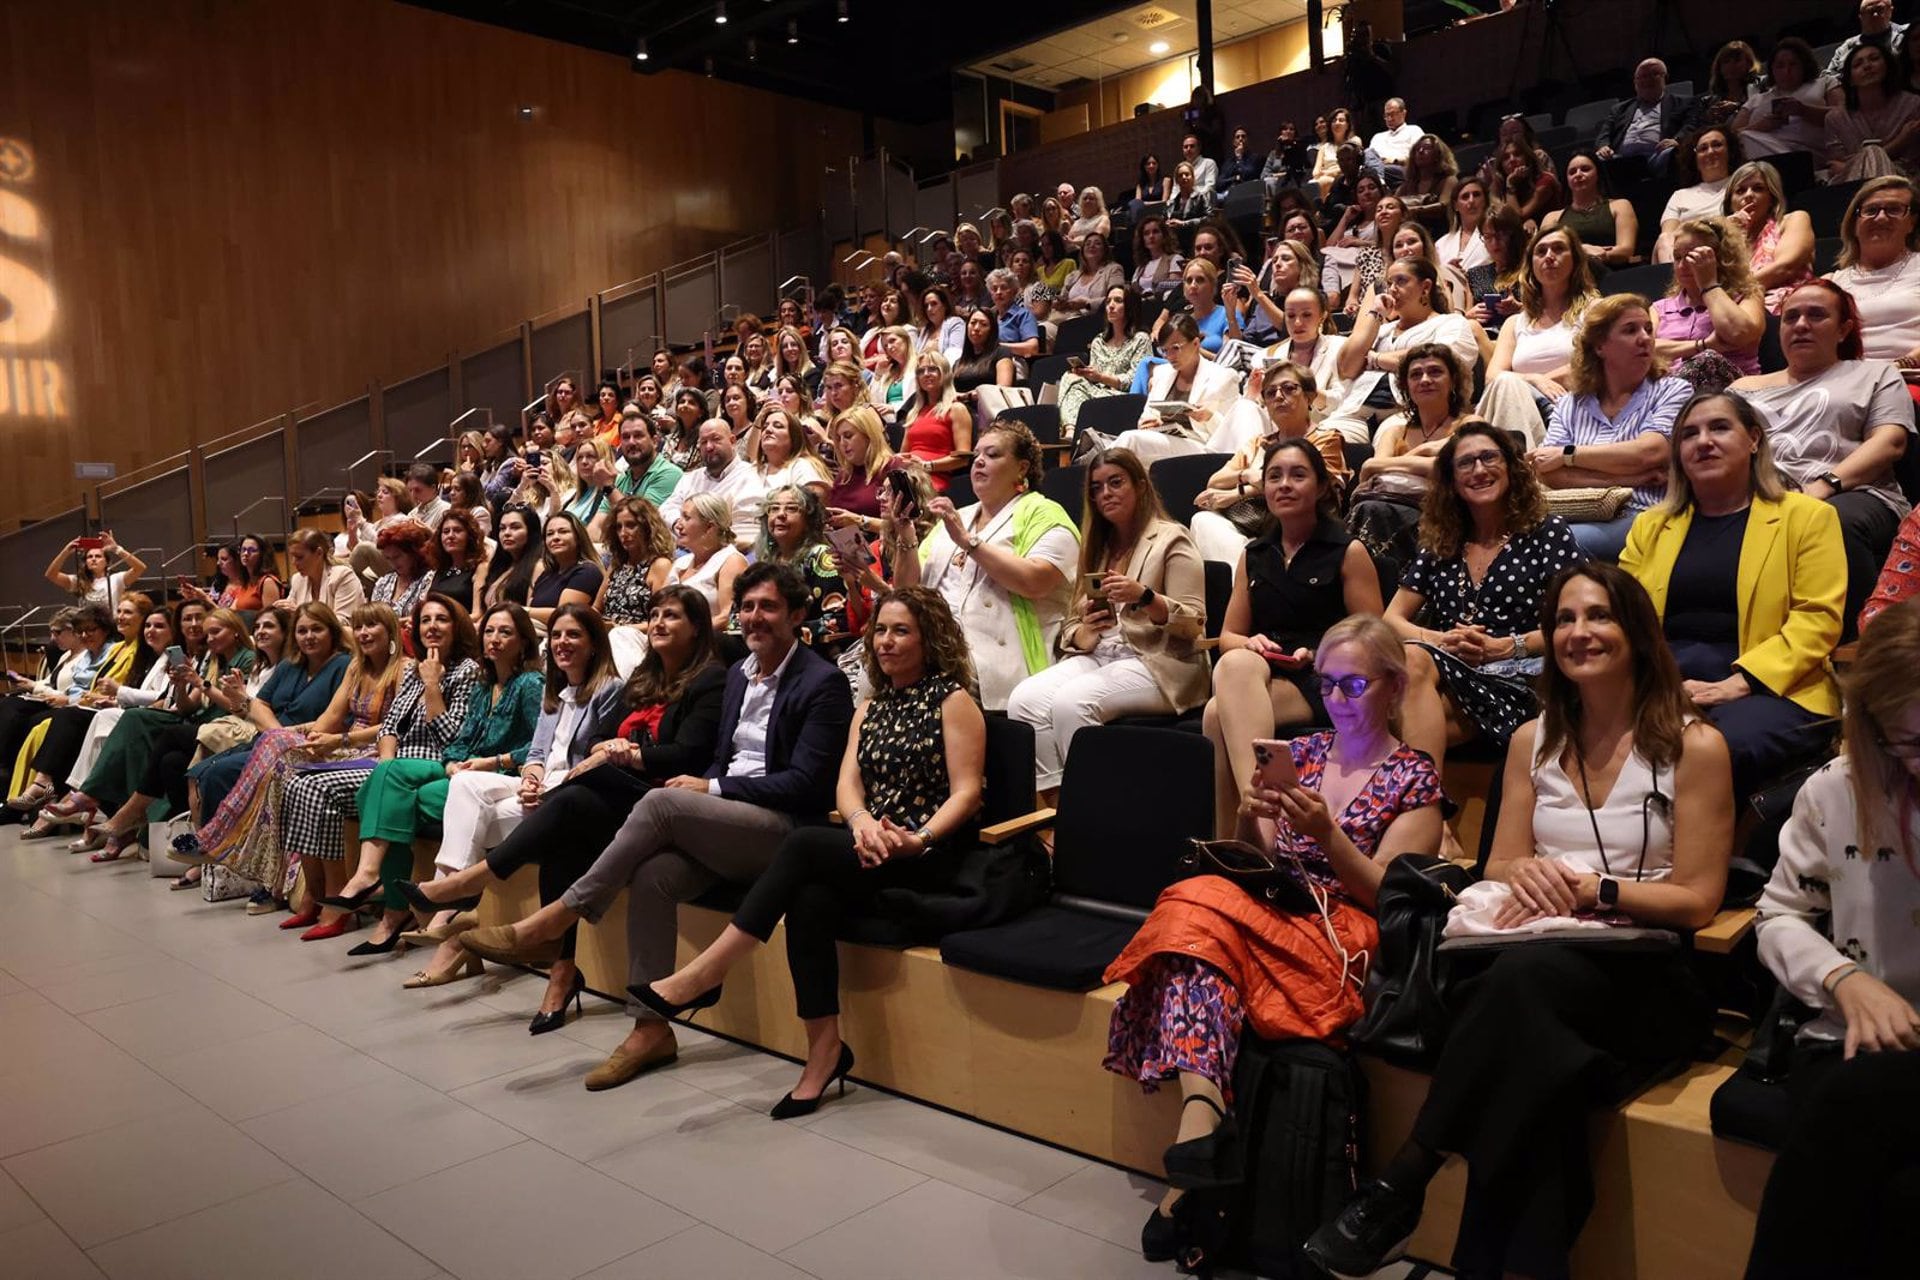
x=407 y=533
x=656 y=539
x=813 y=519
x=1445 y=521
x=476 y=539
x=1460 y=388
x=1730 y=251
x=943 y=644
x=1026 y=449
x=1589 y=375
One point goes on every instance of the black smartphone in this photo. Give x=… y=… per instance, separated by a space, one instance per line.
x=900 y=487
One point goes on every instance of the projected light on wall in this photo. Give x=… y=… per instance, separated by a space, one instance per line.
x=32 y=383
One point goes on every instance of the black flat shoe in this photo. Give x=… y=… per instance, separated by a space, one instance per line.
x=545 y=1022
x=372 y=948
x=647 y=996
x=1160 y=1237
x=353 y=901
x=427 y=906
x=790 y=1107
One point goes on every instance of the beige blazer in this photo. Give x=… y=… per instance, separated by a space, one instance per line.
x=1165 y=560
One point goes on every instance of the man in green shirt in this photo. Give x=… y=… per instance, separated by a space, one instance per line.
x=648 y=475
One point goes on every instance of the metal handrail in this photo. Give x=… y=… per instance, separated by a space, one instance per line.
x=178 y=556
x=137 y=550
x=271 y=497
x=139 y=475
x=453 y=428
x=348 y=470
x=21 y=621
x=431 y=445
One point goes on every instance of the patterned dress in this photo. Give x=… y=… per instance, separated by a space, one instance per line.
x=903 y=751
x=1103 y=357
x=320 y=798
x=629 y=599
x=1212 y=958
x=1496 y=697
x=244 y=832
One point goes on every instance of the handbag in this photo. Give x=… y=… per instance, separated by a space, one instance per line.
x=223 y=733
x=1260 y=872
x=1407 y=990
x=1587 y=506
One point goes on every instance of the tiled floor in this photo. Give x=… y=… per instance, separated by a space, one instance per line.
x=188 y=1092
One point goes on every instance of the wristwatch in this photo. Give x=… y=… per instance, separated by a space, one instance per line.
x=926 y=837
x=1609 y=893
x=1833 y=481
x=973 y=545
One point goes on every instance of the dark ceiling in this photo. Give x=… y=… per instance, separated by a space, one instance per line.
x=890 y=59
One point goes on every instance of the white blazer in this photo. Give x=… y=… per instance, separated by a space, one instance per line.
x=1215 y=387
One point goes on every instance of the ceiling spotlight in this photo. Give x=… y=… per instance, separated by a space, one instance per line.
x=720 y=13
x=526 y=113
x=843 y=10
x=640 y=50
x=753 y=49
x=793 y=31
x=1158 y=46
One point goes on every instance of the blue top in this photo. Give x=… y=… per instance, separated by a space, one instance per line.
x=294 y=697
x=1018 y=324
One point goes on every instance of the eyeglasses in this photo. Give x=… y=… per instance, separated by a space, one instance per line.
x=1886 y=210
x=1492 y=460
x=1350 y=687
x=1283 y=389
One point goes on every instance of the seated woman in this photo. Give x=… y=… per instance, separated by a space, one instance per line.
x=1706 y=161
x=596 y=470
x=1532 y=362
x=1412 y=311
x=126 y=662
x=911 y=780
x=1461 y=246
x=1150 y=186
x=1493 y=283
x=1088 y=283
x=1388 y=217
x=427 y=713
x=863 y=458
x=1748 y=581
x=1187 y=377
x=1116 y=352
x=1213 y=961
x=1616 y=767
x=316 y=577
x=1876 y=129
x=893 y=378
x=1487 y=550
x=711 y=562
x=1260 y=296
x=983 y=359
x=680 y=438
x=939 y=429
x=1294 y=581
x=503 y=718
x=668 y=726
x=90 y=628
x=1880 y=266
x=1779 y=240
x=941 y=329
x=1611 y=430
x=457 y=552
x=1307 y=342
x=569 y=572
x=1709 y=325
x=1391 y=489
x=1837 y=421
x=403 y=543
x=781 y=450
x=639 y=563
x=1005 y=565
x=508 y=577
x=1788 y=112
x=1521 y=185
x=793 y=531
x=1833 y=930
x=144 y=761
x=1126 y=646
x=1156 y=255
x=1231 y=509
x=1606 y=224
x=1431 y=176
x=1188 y=206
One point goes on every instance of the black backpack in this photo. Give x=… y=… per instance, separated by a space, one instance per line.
x=1286 y=1159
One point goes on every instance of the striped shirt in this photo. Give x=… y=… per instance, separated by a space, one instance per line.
x=1578 y=420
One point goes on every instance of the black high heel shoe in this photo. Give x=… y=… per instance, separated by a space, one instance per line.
x=427 y=906
x=545 y=1022
x=790 y=1107
x=372 y=948
x=666 y=1008
x=352 y=901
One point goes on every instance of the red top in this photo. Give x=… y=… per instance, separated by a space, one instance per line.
x=930 y=438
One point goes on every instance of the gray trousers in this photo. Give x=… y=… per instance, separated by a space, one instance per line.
x=674 y=846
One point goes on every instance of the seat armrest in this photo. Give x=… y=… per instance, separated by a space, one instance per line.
x=1001 y=832
x=1726 y=931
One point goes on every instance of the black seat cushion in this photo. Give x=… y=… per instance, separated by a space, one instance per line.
x=1050 y=946
x=1750 y=1110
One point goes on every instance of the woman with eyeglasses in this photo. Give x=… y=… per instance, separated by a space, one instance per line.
x=1879 y=266
x=1214 y=961
x=1487 y=548
x=1707 y=159
x=1230 y=510
x=1834 y=929
x=1615 y=808
x=1748 y=579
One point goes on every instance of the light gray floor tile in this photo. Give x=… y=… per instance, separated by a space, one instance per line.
x=105 y=1185
x=998 y=1165
x=267 y=1072
x=116 y=980
x=549 y=1103
x=42 y=1251
x=454 y=1048
x=378 y=1136
x=10 y=984
x=17 y=1208
x=35 y=1033
x=1101 y=1201
x=567 y=1219
x=768 y=1183
x=952 y=1234
x=99 y=1089
x=282 y=1232
x=203 y=1015
x=699 y=1251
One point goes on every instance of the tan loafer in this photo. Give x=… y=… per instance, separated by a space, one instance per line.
x=458 y=925
x=496 y=943
x=622 y=1067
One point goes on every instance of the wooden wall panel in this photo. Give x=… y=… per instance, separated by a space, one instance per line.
x=247 y=207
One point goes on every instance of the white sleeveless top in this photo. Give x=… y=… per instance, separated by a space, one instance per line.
x=705 y=579
x=1540 y=350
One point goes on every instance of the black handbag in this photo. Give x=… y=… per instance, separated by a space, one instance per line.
x=1407 y=991
x=1261 y=872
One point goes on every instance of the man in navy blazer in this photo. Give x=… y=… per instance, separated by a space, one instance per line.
x=1648 y=126
x=783 y=730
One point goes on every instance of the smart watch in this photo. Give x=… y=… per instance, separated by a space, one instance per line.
x=1609 y=894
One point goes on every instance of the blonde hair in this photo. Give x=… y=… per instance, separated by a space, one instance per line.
x=714 y=510
x=1729 y=250
x=1099 y=198
x=1876 y=692
x=864 y=419
x=1385 y=651
x=1763 y=476
x=933 y=359
x=891 y=374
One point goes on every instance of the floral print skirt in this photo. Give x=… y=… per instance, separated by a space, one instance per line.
x=1183 y=1015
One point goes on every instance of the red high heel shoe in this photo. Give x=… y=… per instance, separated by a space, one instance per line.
x=304 y=920
x=321 y=932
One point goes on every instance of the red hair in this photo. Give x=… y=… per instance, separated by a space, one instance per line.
x=1853 y=346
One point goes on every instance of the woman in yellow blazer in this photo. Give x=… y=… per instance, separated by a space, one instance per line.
x=1750 y=580
x=1127 y=645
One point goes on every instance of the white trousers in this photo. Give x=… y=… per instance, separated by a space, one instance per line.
x=629 y=645
x=1151 y=446
x=1509 y=404
x=97 y=730
x=1086 y=689
x=482 y=810
x=1216 y=537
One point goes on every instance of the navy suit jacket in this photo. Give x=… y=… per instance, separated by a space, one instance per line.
x=1677 y=115
x=812 y=711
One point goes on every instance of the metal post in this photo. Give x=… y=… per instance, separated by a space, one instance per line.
x=1203 y=22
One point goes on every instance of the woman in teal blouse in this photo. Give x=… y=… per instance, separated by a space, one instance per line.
x=402 y=796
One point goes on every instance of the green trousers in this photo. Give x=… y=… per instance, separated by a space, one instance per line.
x=399 y=798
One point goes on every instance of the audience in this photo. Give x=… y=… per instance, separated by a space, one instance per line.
x=1412 y=310
x=1392 y=485
x=1780 y=239
x=1647 y=127
x=1108 y=369
x=712 y=561
x=1158 y=265
x=1879 y=268
x=1533 y=360
x=1876 y=25
x=1606 y=224
x=1708 y=327
x=1189 y=397
x=1707 y=161
x=1788 y=112
x=1230 y=510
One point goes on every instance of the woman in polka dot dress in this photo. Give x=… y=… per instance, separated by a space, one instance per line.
x=1469 y=604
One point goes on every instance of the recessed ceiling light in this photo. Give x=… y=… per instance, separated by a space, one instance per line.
x=1158 y=46
x=1119 y=37
x=720 y=13
x=640 y=50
